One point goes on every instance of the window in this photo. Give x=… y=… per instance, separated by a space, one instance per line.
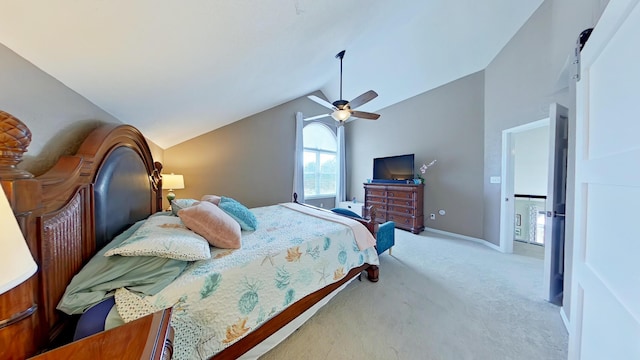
x=320 y=161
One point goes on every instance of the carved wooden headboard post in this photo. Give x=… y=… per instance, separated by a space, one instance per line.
x=66 y=215
x=19 y=317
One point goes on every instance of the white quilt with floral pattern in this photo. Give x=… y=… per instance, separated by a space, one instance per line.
x=218 y=301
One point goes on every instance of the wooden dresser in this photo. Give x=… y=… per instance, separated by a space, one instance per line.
x=400 y=203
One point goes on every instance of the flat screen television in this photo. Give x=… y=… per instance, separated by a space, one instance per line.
x=397 y=168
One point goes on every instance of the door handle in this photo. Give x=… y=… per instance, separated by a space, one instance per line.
x=555 y=214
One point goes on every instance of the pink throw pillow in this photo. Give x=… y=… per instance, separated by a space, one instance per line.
x=213 y=224
x=214 y=199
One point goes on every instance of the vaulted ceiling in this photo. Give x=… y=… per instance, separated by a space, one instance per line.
x=178 y=69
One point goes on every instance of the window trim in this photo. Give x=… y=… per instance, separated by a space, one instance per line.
x=318 y=152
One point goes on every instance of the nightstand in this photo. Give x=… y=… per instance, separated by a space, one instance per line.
x=150 y=337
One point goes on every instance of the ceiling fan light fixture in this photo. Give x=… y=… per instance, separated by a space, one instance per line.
x=341 y=115
x=343 y=109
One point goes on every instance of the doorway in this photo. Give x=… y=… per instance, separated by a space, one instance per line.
x=555 y=199
x=531 y=168
x=524 y=181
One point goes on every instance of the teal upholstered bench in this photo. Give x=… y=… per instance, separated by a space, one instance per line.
x=385 y=236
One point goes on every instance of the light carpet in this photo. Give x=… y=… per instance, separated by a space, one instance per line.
x=437 y=298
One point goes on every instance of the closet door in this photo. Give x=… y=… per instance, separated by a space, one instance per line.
x=605 y=301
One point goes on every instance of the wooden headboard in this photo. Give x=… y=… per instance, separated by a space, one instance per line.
x=76 y=207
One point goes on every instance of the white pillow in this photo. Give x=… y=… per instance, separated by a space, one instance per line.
x=164 y=236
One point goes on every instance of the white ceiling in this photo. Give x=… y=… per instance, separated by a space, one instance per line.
x=178 y=69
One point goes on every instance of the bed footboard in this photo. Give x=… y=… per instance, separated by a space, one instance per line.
x=370 y=223
x=373 y=271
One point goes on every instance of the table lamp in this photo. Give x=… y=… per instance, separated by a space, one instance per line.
x=172 y=182
x=16 y=263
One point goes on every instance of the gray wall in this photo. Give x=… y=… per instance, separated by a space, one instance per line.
x=524 y=79
x=445 y=124
x=250 y=160
x=520 y=84
x=531 y=165
x=58 y=117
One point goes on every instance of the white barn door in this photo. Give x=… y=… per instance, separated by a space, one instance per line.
x=605 y=301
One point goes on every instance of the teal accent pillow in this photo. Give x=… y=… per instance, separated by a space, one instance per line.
x=179 y=204
x=347 y=212
x=239 y=213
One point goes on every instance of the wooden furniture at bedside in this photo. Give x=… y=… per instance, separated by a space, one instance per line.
x=150 y=337
x=401 y=203
x=17 y=318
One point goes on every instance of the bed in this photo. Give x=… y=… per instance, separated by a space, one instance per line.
x=74 y=211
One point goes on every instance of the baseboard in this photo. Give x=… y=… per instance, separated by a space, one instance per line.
x=464 y=237
x=565 y=319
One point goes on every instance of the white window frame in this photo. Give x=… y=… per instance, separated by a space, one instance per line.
x=318 y=152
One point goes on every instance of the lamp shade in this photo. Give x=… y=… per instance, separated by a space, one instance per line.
x=341 y=115
x=172 y=181
x=16 y=262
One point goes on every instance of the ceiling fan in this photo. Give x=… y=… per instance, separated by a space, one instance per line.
x=343 y=109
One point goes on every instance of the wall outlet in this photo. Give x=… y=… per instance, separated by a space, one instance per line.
x=433 y=216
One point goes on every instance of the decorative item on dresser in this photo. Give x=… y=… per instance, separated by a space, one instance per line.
x=400 y=203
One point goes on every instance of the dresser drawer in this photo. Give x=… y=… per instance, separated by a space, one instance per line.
x=376 y=202
x=376 y=198
x=377 y=192
x=402 y=221
x=401 y=202
x=398 y=194
x=404 y=210
x=406 y=222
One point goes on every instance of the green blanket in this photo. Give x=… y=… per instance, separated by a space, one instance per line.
x=101 y=276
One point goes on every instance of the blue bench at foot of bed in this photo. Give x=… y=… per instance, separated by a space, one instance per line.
x=385 y=237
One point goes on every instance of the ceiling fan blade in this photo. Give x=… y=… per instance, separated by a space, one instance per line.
x=365 y=115
x=363 y=99
x=316 y=117
x=321 y=102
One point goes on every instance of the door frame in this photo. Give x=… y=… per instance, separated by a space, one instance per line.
x=555 y=207
x=507 y=198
